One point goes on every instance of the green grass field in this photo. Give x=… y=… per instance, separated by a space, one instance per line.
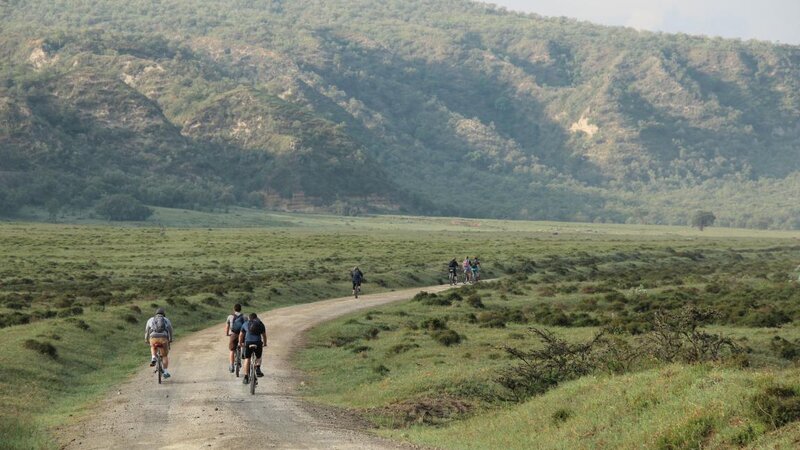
x=74 y=298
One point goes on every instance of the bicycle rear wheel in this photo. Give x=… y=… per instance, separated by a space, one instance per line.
x=159 y=368
x=253 y=377
x=238 y=362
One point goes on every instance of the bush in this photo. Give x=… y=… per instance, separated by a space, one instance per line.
x=432 y=299
x=446 y=337
x=475 y=301
x=492 y=319
x=777 y=406
x=45 y=348
x=434 y=324
x=688 y=436
x=130 y=318
x=122 y=207
x=560 y=416
x=400 y=348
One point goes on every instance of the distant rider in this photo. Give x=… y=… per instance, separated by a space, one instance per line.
x=158 y=331
x=453 y=268
x=467 y=264
x=253 y=333
x=358 y=276
x=476 y=269
x=233 y=326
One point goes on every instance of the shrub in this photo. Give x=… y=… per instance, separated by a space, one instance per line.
x=434 y=324
x=122 y=207
x=777 y=406
x=432 y=299
x=688 y=436
x=542 y=369
x=211 y=301
x=475 y=301
x=381 y=370
x=560 y=416
x=45 y=348
x=400 y=348
x=446 y=337
x=130 y=318
x=492 y=319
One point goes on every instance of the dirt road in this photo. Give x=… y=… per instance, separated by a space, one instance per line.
x=203 y=405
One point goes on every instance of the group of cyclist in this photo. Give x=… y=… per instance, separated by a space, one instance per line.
x=249 y=336
x=470 y=269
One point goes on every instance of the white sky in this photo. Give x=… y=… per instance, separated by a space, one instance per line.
x=770 y=20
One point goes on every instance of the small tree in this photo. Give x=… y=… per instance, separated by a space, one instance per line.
x=122 y=207
x=702 y=219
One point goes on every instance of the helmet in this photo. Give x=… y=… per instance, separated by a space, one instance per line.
x=160 y=310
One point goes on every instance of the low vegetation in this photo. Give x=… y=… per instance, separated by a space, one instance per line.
x=689 y=347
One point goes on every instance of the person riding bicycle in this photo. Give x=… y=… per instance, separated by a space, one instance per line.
x=358 y=276
x=476 y=269
x=233 y=326
x=158 y=332
x=467 y=264
x=453 y=267
x=253 y=333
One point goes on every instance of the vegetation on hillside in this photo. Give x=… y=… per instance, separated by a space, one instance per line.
x=447 y=107
x=691 y=346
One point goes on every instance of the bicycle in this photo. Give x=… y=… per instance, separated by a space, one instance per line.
x=357 y=290
x=253 y=381
x=237 y=360
x=159 y=364
x=453 y=277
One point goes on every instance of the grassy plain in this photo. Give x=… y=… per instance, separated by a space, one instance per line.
x=395 y=366
x=74 y=296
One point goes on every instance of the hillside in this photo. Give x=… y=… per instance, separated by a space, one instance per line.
x=445 y=107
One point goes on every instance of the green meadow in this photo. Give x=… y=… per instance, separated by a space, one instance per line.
x=74 y=298
x=444 y=370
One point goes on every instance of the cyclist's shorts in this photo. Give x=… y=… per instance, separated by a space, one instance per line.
x=164 y=344
x=250 y=351
x=234 y=341
x=356 y=283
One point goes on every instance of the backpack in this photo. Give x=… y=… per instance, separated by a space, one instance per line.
x=159 y=324
x=237 y=322
x=252 y=324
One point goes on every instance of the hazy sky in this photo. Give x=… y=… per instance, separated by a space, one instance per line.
x=771 y=20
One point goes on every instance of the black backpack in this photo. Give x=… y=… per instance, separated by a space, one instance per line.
x=237 y=322
x=159 y=324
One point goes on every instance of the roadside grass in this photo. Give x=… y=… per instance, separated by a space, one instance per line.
x=390 y=365
x=74 y=298
x=666 y=408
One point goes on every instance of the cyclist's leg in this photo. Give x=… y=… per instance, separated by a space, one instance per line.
x=233 y=342
x=257 y=360
x=165 y=352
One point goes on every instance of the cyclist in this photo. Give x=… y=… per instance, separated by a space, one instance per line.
x=467 y=264
x=253 y=333
x=158 y=331
x=233 y=326
x=358 y=276
x=476 y=269
x=453 y=267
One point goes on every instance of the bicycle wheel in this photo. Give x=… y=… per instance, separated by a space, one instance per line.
x=252 y=378
x=159 y=368
x=238 y=362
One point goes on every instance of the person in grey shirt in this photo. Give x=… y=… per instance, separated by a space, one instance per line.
x=158 y=333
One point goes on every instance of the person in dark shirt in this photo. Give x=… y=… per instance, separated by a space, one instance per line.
x=358 y=277
x=253 y=333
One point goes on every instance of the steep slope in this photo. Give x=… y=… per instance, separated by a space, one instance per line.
x=445 y=107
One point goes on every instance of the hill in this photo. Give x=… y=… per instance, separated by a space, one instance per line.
x=445 y=107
